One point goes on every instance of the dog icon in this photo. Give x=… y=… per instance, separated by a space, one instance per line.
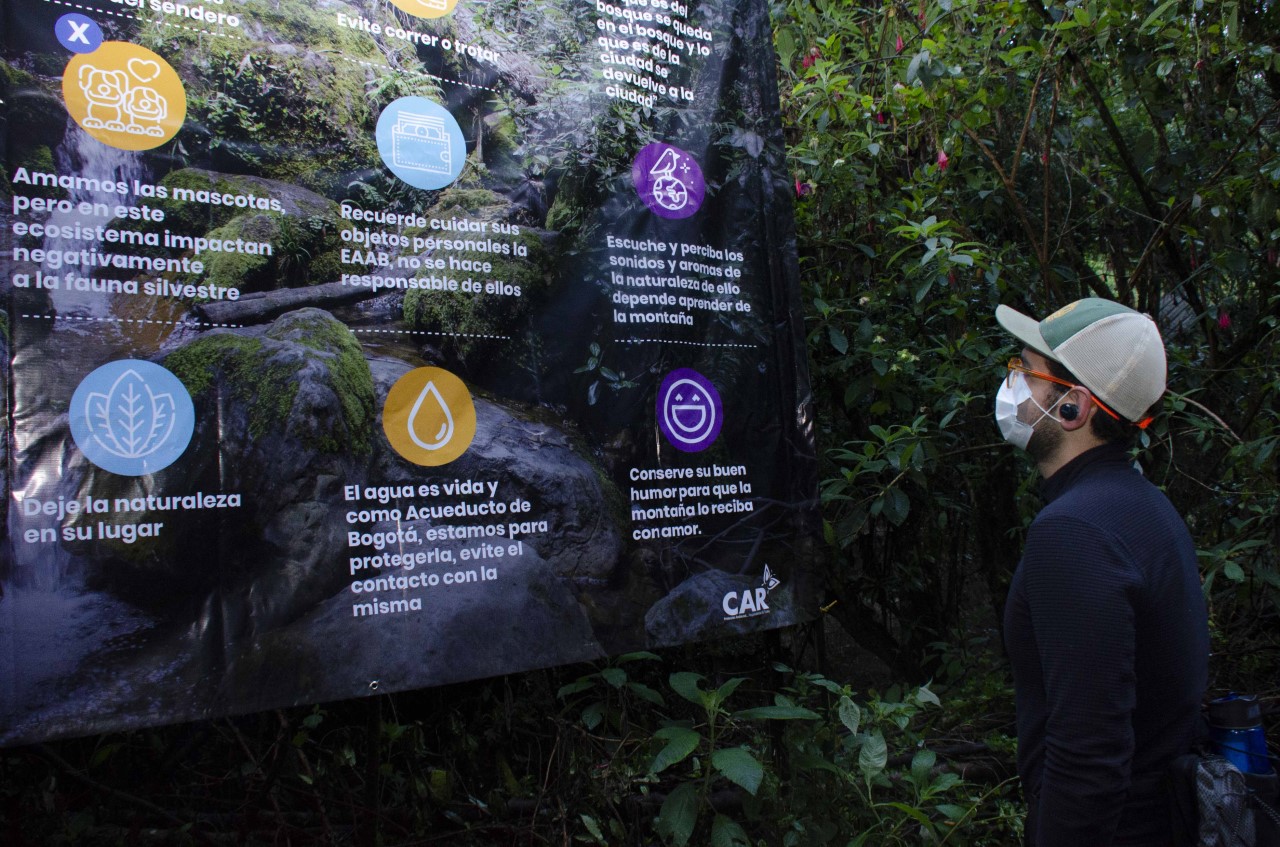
x=105 y=90
x=125 y=96
x=120 y=101
x=146 y=109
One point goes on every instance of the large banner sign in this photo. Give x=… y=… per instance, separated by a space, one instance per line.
x=361 y=346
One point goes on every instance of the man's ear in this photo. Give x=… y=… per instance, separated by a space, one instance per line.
x=1076 y=409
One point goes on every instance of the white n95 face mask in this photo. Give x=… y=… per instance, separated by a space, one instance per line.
x=1012 y=394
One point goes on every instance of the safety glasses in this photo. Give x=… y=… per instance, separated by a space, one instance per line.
x=1016 y=365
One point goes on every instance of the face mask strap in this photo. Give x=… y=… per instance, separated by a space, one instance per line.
x=1048 y=413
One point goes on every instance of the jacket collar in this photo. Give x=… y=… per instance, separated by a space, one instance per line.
x=1067 y=475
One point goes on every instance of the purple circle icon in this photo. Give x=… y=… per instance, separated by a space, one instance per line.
x=689 y=411
x=668 y=180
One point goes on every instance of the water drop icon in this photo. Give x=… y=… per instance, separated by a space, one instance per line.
x=429 y=417
x=437 y=410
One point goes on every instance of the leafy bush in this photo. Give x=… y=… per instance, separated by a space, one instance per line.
x=951 y=156
x=812 y=767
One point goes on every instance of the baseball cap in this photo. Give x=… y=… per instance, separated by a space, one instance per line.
x=1114 y=351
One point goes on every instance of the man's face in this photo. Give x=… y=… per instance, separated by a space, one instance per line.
x=1048 y=433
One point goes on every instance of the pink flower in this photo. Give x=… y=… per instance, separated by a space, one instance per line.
x=1224 y=320
x=943 y=161
x=803 y=189
x=811 y=57
x=879 y=117
x=900 y=45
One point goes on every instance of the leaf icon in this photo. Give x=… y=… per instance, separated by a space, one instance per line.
x=130 y=420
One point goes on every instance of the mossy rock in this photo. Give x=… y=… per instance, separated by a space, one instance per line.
x=289 y=263
x=34 y=105
x=194 y=217
x=286 y=376
x=501 y=129
x=306 y=228
x=472 y=322
x=246 y=271
x=28 y=99
x=321 y=332
x=479 y=203
x=502 y=146
x=198 y=364
x=37 y=158
x=189 y=217
x=327 y=267
x=268 y=104
x=565 y=214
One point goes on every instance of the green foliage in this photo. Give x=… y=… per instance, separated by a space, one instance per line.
x=604 y=375
x=280 y=113
x=951 y=156
x=616 y=691
x=814 y=766
x=764 y=757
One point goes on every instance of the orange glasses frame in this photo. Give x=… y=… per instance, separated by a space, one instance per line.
x=1016 y=364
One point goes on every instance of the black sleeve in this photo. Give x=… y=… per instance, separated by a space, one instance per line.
x=1079 y=587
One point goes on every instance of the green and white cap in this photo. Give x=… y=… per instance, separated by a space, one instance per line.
x=1114 y=351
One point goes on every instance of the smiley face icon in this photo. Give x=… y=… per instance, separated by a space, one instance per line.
x=689 y=410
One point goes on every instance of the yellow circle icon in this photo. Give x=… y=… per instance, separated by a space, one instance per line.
x=429 y=417
x=426 y=8
x=125 y=96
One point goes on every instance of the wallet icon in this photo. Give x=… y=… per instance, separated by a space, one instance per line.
x=421 y=143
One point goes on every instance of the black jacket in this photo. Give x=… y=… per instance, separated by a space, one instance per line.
x=1107 y=630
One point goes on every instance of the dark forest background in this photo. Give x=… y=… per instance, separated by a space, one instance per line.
x=947 y=157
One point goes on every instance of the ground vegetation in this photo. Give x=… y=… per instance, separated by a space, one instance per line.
x=947 y=156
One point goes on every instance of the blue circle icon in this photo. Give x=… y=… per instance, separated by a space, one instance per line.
x=132 y=417
x=78 y=33
x=421 y=142
x=689 y=410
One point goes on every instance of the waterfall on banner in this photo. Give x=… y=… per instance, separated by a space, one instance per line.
x=84 y=155
x=45 y=593
x=49 y=566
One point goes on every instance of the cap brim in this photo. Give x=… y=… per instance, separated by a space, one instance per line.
x=1024 y=329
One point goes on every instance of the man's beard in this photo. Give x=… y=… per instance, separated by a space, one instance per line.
x=1045 y=441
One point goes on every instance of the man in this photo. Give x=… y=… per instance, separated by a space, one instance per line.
x=1105 y=624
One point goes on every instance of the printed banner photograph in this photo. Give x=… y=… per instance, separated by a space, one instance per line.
x=364 y=347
